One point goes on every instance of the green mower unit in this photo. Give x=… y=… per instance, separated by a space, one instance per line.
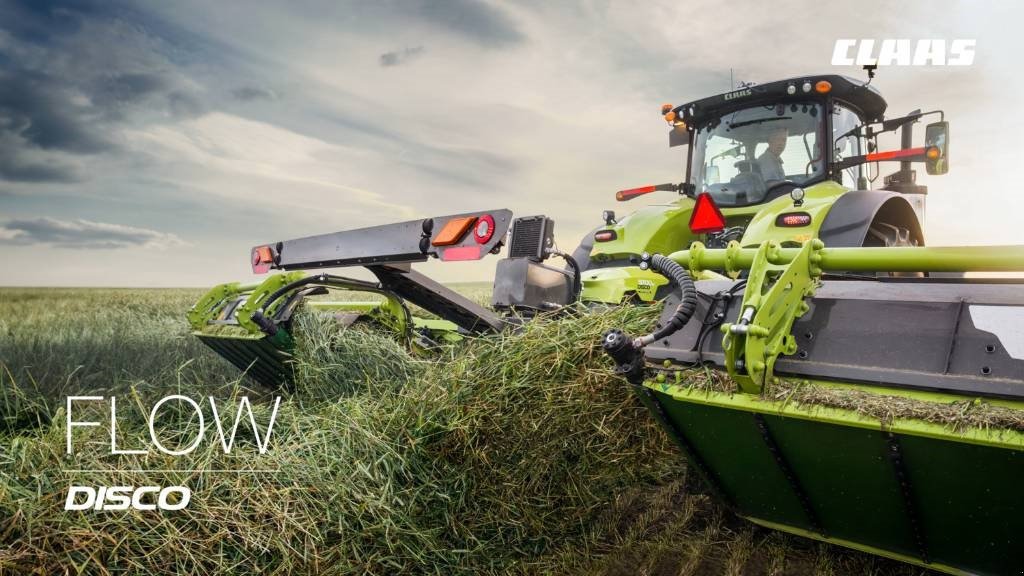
x=824 y=371
x=887 y=416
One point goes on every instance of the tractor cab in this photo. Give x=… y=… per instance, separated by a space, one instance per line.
x=752 y=145
x=784 y=161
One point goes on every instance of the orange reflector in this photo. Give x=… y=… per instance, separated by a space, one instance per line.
x=670 y=117
x=823 y=86
x=453 y=231
x=932 y=153
x=265 y=255
x=706 y=216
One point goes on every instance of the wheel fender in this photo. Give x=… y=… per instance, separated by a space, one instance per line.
x=851 y=215
x=582 y=252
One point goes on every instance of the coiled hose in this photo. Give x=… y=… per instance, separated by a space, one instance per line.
x=687 y=298
x=628 y=352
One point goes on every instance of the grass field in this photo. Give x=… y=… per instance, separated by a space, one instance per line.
x=520 y=454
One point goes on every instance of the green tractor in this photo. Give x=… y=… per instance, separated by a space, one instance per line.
x=822 y=370
x=783 y=162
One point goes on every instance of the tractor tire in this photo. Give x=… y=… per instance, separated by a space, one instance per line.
x=885 y=235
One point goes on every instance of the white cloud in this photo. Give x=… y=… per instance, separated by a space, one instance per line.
x=83 y=234
x=268 y=165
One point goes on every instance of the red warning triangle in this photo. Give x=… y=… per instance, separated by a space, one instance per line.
x=706 y=216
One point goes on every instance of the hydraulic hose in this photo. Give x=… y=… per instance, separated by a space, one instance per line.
x=322 y=279
x=269 y=327
x=577 y=272
x=687 y=298
x=577 y=275
x=628 y=352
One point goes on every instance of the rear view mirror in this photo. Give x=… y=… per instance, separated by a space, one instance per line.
x=679 y=136
x=936 y=148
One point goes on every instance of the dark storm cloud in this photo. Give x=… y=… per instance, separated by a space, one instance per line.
x=38 y=109
x=71 y=76
x=83 y=234
x=118 y=90
x=399 y=56
x=15 y=167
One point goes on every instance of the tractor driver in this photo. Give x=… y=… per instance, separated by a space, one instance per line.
x=770 y=161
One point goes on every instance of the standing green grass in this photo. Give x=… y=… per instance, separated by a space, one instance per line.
x=519 y=454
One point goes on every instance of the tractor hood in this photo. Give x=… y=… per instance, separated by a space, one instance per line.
x=781 y=221
x=659 y=228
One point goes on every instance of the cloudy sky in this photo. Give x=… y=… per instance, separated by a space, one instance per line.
x=151 y=144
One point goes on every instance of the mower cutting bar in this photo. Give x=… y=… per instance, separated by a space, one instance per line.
x=908 y=259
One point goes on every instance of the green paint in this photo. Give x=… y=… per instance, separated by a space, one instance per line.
x=818 y=200
x=963 y=484
x=772 y=300
x=256 y=297
x=211 y=304
x=895 y=259
x=615 y=285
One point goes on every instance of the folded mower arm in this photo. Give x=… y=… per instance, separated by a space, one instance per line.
x=388 y=252
x=468 y=236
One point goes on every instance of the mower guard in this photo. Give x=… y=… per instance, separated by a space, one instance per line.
x=862 y=464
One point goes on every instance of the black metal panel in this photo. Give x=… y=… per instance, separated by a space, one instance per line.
x=855 y=93
x=917 y=334
x=259 y=359
x=438 y=299
x=523 y=283
x=403 y=242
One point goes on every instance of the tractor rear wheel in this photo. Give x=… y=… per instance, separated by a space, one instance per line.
x=885 y=235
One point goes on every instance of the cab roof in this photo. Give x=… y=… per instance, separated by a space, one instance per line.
x=851 y=92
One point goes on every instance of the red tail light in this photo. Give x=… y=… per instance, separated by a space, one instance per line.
x=793 y=219
x=483 y=230
x=706 y=216
x=605 y=235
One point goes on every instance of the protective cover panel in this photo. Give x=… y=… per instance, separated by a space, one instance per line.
x=916 y=334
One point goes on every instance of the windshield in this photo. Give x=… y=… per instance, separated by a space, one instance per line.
x=741 y=156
